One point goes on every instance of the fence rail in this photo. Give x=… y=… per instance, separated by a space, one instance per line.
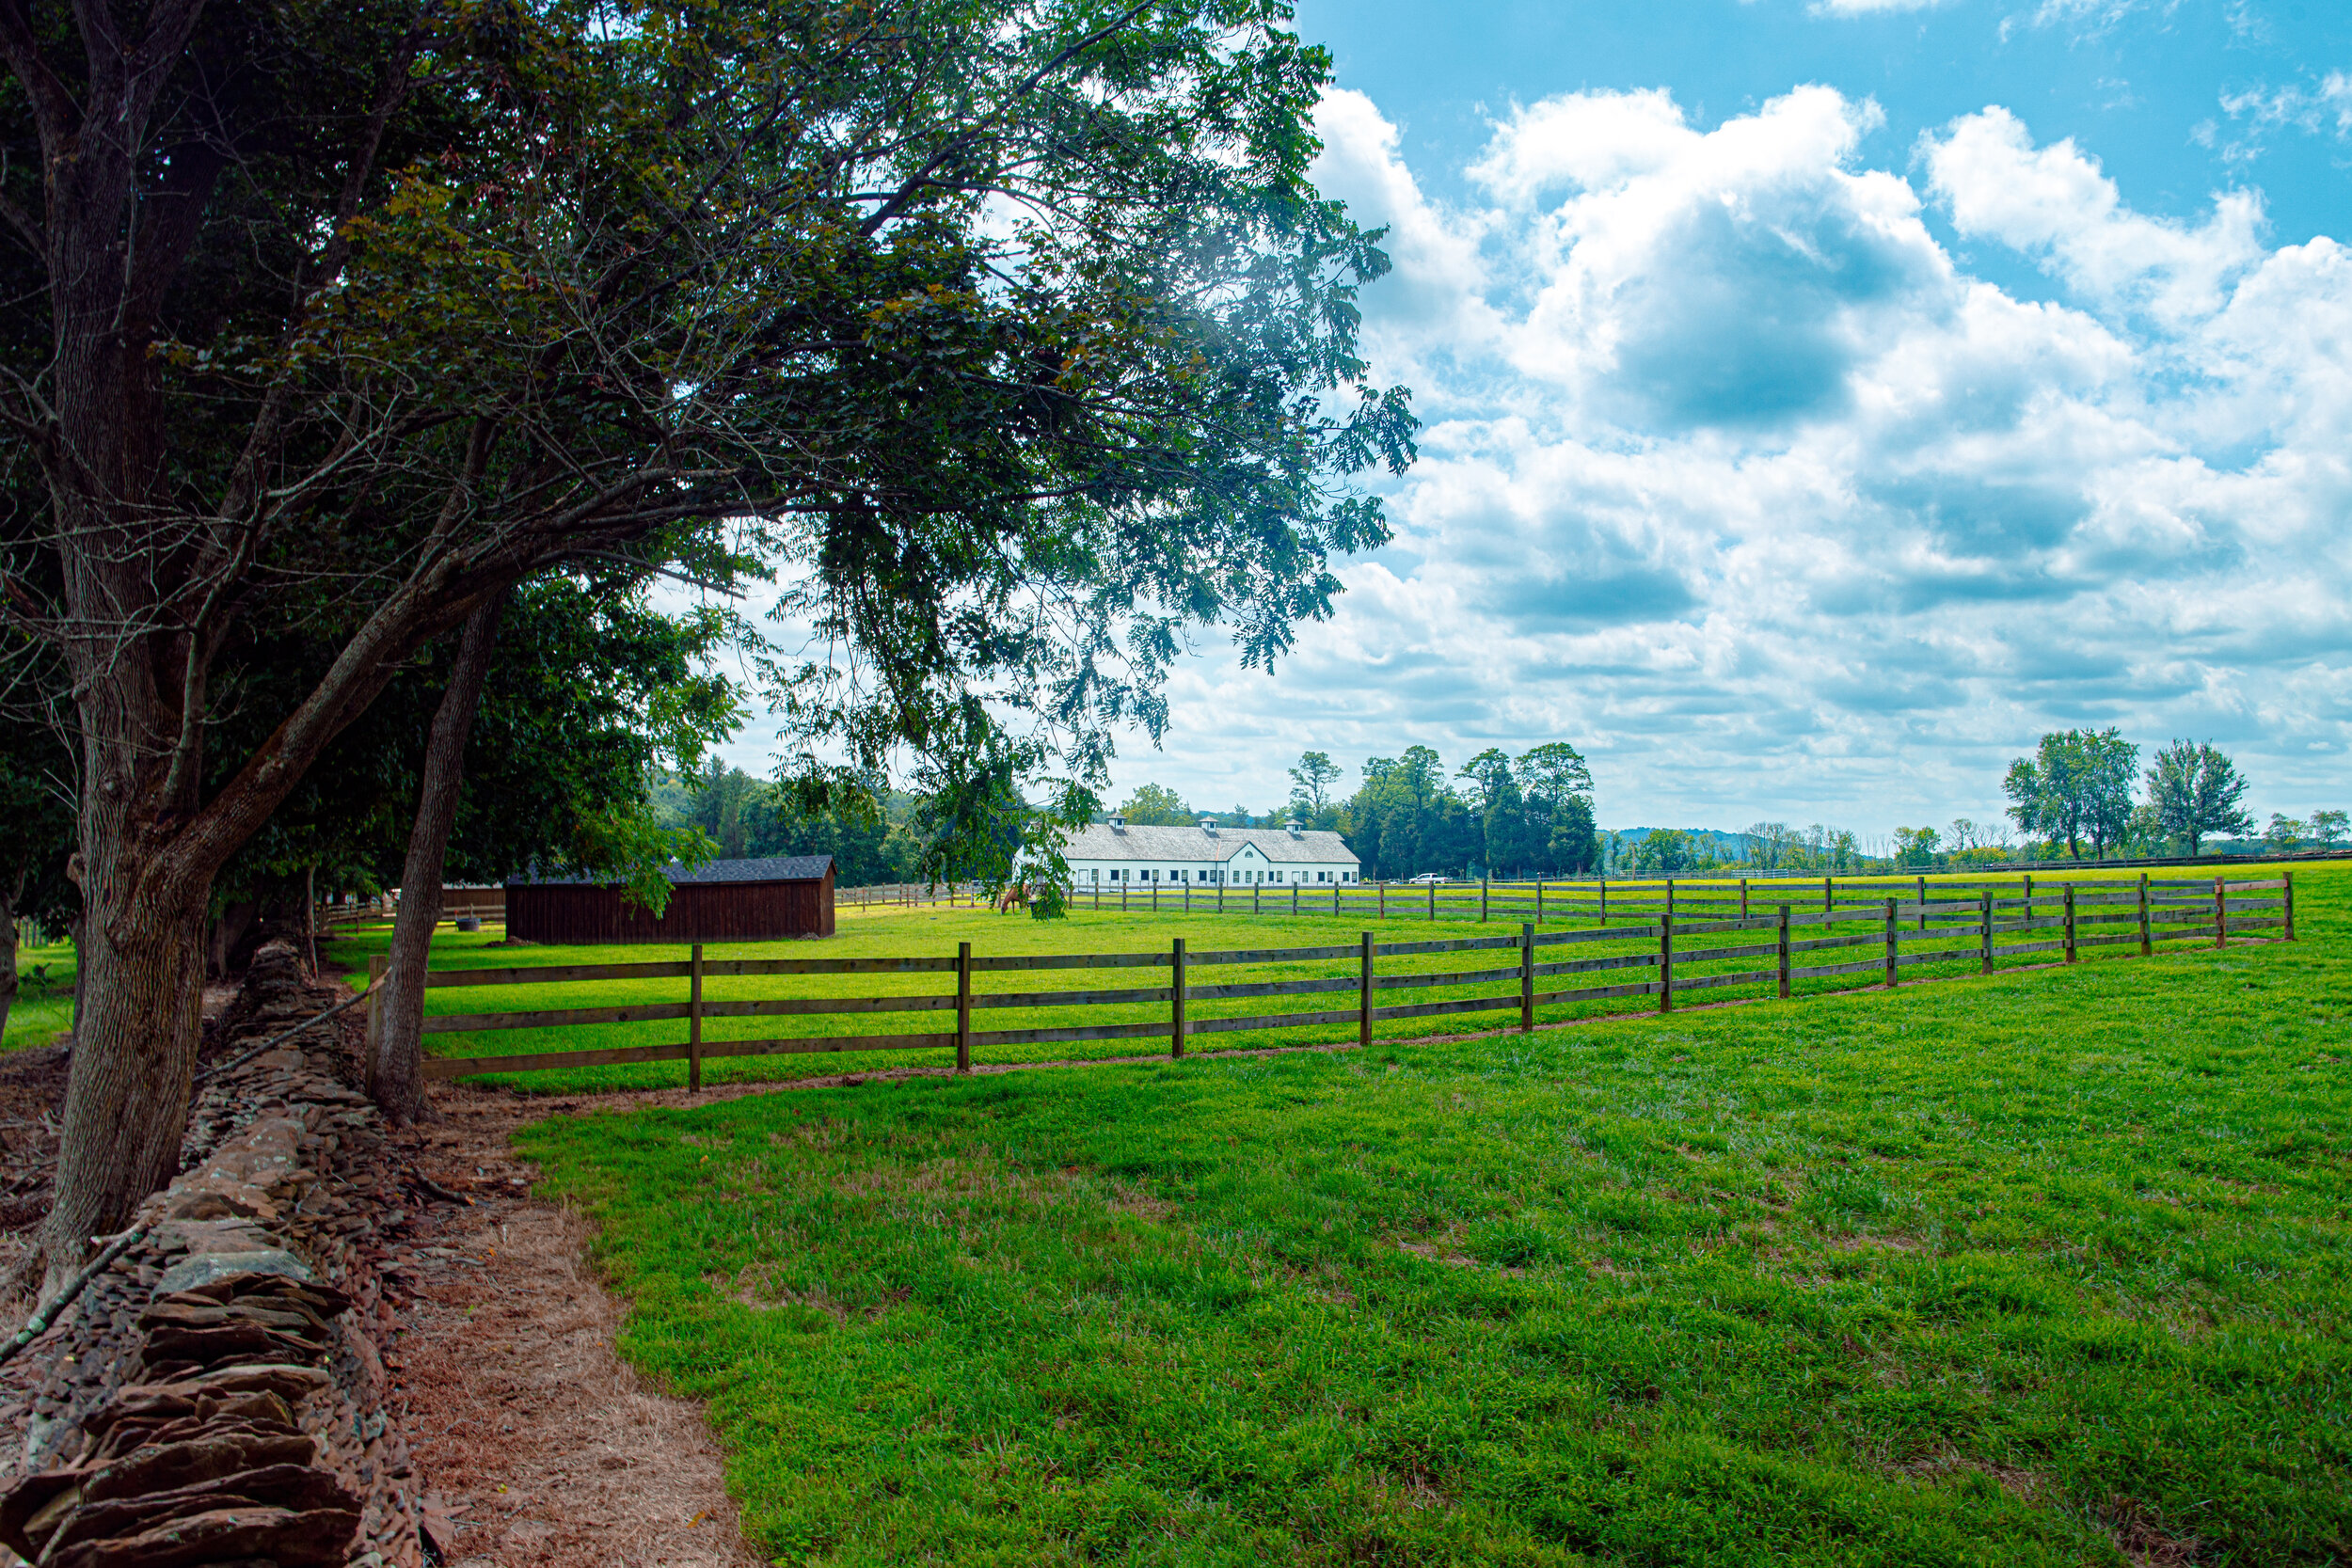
x=1677 y=959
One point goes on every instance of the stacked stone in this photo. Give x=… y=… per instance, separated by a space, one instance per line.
x=217 y=1396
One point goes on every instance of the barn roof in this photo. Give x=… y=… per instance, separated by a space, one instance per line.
x=764 y=868
x=1099 y=841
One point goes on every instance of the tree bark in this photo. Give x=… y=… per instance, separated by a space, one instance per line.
x=396 y=1073
x=140 y=966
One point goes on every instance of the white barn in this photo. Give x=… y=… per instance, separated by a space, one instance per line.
x=1112 y=853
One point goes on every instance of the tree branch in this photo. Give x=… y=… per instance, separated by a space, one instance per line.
x=54 y=109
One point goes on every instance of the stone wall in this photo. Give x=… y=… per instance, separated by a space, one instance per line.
x=219 y=1395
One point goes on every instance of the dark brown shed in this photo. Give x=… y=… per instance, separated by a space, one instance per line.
x=749 y=900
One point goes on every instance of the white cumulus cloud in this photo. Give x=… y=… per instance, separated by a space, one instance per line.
x=1738 y=479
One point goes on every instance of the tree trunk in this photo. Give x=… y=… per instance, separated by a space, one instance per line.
x=140 y=968
x=396 y=1072
x=81 y=973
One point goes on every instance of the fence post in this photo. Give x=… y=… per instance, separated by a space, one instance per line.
x=1670 y=896
x=1604 y=901
x=1123 y=887
x=1539 y=900
x=1155 y=895
x=963 y=1007
x=1176 y=1000
x=1826 y=906
x=1380 y=893
x=1890 y=945
x=1985 y=932
x=1187 y=898
x=1744 y=898
x=1784 y=952
x=2070 y=923
x=1482 y=899
x=1363 y=995
x=1527 y=978
x=1923 y=903
x=2147 y=945
x=1665 y=963
x=2221 y=913
x=1432 y=901
x=694 y=1020
x=1294 y=898
x=1255 y=888
x=2290 y=902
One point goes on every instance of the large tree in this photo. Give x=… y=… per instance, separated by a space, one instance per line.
x=1017 y=333
x=1310 y=785
x=1156 y=806
x=2193 y=792
x=1557 y=783
x=2077 y=784
x=1405 y=819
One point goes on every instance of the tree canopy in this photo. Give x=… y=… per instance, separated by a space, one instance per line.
x=2077 y=784
x=1312 y=781
x=1529 y=815
x=2193 y=792
x=873 y=840
x=1015 y=337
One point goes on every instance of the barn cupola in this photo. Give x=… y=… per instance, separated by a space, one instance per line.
x=1118 y=824
x=1208 y=826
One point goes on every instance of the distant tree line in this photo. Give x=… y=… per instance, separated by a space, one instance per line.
x=1533 y=816
x=2085 y=787
x=2079 y=788
x=875 y=840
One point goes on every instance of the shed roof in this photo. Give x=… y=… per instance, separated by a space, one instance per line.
x=764 y=868
x=1099 y=841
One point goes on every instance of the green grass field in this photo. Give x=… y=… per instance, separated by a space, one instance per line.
x=44 y=998
x=2050 y=1268
x=934 y=932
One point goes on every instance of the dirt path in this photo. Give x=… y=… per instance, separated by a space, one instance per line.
x=539 y=1445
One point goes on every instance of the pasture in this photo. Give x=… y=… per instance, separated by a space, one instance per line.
x=44 y=997
x=2044 y=1268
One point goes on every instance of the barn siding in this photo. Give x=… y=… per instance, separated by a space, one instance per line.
x=573 y=912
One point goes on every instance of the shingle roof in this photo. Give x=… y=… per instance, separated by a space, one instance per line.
x=1101 y=842
x=767 y=868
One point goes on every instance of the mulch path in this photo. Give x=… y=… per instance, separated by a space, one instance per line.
x=538 y=1446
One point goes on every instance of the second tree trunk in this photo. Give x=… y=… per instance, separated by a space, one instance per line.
x=396 y=1067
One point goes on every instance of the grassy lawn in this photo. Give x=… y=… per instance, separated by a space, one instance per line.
x=44 y=997
x=2045 y=1268
x=898 y=932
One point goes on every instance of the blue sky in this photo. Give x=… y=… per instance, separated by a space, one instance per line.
x=1824 y=399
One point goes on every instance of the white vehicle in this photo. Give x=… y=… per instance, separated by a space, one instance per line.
x=1429 y=877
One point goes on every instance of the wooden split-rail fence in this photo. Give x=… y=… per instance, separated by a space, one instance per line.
x=1679 y=956
x=910 y=894
x=1601 y=898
